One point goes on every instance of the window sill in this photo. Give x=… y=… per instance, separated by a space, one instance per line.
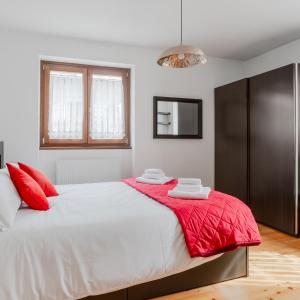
x=93 y=147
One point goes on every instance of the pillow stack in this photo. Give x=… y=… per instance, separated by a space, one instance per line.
x=25 y=183
x=10 y=201
x=41 y=179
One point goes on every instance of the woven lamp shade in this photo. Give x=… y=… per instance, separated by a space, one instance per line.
x=182 y=56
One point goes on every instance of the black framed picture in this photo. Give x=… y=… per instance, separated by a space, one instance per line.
x=177 y=118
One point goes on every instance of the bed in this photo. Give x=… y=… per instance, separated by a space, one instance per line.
x=104 y=241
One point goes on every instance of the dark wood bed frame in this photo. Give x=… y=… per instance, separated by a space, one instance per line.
x=230 y=265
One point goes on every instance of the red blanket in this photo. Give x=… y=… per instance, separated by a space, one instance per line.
x=218 y=224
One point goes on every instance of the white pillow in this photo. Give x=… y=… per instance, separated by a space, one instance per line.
x=10 y=201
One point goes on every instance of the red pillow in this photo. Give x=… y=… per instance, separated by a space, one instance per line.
x=28 y=188
x=41 y=179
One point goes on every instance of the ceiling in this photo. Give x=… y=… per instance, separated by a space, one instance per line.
x=237 y=29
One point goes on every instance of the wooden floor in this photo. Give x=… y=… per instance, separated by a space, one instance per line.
x=274 y=273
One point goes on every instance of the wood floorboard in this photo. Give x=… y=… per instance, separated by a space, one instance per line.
x=274 y=273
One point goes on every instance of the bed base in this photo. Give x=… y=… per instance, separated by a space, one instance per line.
x=229 y=266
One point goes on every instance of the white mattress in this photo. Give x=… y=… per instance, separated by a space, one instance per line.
x=95 y=239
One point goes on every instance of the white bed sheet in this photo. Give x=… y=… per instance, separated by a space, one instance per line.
x=95 y=239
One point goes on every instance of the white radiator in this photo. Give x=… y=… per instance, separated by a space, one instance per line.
x=88 y=170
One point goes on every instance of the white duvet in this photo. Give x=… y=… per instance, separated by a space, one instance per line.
x=95 y=239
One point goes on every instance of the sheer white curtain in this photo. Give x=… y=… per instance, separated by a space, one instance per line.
x=107 y=119
x=66 y=105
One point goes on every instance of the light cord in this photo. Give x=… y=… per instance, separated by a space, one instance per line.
x=181 y=24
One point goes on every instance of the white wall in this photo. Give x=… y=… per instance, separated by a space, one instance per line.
x=19 y=104
x=284 y=55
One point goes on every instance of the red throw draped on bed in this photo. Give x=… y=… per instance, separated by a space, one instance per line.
x=218 y=224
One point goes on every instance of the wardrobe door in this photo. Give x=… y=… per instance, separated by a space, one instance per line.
x=272 y=148
x=231 y=139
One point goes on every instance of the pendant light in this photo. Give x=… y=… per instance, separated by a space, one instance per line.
x=182 y=56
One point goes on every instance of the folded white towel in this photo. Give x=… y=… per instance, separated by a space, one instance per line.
x=163 y=180
x=195 y=181
x=153 y=176
x=188 y=187
x=154 y=171
x=203 y=194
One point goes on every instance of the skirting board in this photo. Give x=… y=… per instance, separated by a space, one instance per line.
x=229 y=266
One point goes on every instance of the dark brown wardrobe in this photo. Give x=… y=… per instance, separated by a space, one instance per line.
x=256 y=145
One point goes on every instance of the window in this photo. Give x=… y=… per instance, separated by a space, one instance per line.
x=84 y=106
